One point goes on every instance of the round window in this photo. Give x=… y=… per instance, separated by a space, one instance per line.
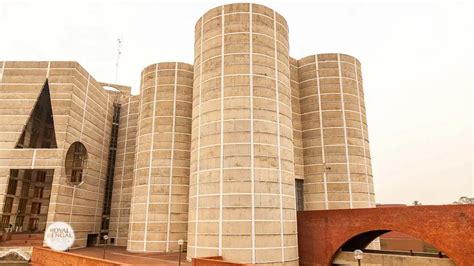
x=76 y=162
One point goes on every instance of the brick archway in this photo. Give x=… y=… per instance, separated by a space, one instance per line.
x=449 y=228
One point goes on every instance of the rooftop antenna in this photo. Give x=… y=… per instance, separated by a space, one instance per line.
x=119 y=52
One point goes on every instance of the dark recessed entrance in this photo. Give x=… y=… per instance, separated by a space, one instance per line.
x=92 y=239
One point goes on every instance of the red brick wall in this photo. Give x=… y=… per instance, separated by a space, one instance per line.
x=48 y=257
x=449 y=228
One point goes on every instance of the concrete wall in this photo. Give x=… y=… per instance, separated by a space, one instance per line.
x=159 y=211
x=242 y=203
x=81 y=112
x=337 y=167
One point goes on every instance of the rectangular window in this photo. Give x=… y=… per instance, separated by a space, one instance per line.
x=14 y=173
x=35 y=208
x=7 y=208
x=25 y=189
x=27 y=175
x=5 y=221
x=19 y=220
x=12 y=186
x=76 y=176
x=299 y=183
x=40 y=176
x=38 y=192
x=22 y=206
x=33 y=224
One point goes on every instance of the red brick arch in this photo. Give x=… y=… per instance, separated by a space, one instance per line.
x=449 y=228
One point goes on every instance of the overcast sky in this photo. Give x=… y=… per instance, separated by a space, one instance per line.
x=416 y=63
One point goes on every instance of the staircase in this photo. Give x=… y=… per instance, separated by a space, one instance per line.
x=23 y=240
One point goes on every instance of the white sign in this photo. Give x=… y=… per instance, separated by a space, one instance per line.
x=358 y=254
x=59 y=236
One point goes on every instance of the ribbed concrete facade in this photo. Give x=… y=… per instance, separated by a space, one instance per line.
x=81 y=112
x=242 y=203
x=219 y=154
x=336 y=151
x=160 y=189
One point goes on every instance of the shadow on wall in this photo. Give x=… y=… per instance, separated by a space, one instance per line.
x=403 y=242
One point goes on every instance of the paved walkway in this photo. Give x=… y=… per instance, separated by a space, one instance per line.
x=121 y=255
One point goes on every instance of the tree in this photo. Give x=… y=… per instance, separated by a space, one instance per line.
x=464 y=200
x=416 y=203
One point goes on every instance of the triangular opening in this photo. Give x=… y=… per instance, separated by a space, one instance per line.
x=39 y=130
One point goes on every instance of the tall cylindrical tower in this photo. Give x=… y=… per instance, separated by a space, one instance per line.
x=159 y=206
x=336 y=148
x=242 y=203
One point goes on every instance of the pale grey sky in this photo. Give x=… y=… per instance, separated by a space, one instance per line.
x=416 y=62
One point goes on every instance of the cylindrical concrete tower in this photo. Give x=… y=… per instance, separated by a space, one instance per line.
x=336 y=148
x=242 y=202
x=158 y=216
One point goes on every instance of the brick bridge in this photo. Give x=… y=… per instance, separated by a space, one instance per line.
x=449 y=228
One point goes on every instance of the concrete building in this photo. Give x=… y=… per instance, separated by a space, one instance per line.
x=220 y=153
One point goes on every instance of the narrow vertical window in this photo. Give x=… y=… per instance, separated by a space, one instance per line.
x=299 y=183
x=7 y=208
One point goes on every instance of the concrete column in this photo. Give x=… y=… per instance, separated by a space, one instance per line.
x=242 y=203
x=337 y=170
x=158 y=216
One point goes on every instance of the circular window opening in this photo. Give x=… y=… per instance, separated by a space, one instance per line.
x=76 y=162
